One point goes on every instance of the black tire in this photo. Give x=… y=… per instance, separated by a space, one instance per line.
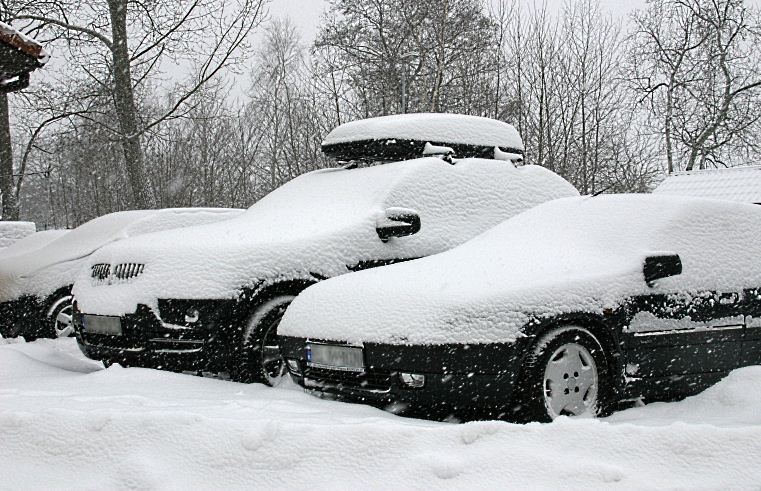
x=58 y=318
x=549 y=380
x=259 y=358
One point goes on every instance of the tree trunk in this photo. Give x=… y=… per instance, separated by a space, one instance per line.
x=10 y=206
x=124 y=102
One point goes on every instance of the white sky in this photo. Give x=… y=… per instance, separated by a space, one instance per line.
x=306 y=13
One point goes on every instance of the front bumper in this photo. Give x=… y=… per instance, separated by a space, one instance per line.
x=165 y=340
x=462 y=380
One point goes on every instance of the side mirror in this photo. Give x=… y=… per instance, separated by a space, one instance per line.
x=397 y=222
x=662 y=266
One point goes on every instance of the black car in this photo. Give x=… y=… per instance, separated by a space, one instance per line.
x=567 y=309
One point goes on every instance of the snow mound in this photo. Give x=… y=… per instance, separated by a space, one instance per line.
x=10 y=232
x=582 y=254
x=71 y=428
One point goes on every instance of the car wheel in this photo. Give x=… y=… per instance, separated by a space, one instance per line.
x=260 y=359
x=59 y=318
x=565 y=374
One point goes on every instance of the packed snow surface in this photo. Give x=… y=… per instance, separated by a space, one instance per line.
x=68 y=424
x=439 y=128
x=580 y=254
x=321 y=223
x=43 y=270
x=10 y=232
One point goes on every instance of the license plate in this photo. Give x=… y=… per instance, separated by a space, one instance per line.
x=335 y=357
x=100 y=324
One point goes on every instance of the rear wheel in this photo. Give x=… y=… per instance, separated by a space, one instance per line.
x=260 y=359
x=59 y=318
x=566 y=374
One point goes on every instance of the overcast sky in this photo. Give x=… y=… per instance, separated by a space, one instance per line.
x=306 y=13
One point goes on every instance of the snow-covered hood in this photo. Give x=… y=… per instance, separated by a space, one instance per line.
x=570 y=255
x=320 y=224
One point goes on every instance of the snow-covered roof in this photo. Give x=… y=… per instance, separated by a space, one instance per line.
x=23 y=43
x=404 y=136
x=741 y=184
x=569 y=255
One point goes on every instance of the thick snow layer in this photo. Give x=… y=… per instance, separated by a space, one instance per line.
x=440 y=128
x=68 y=424
x=321 y=223
x=10 y=232
x=46 y=269
x=32 y=242
x=576 y=254
x=741 y=184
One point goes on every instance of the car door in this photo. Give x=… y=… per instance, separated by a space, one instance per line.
x=678 y=344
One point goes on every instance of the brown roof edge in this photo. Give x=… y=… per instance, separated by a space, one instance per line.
x=29 y=47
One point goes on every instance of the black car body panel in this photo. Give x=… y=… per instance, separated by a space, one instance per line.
x=479 y=379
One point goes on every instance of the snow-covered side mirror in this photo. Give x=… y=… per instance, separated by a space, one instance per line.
x=661 y=266
x=500 y=154
x=397 y=222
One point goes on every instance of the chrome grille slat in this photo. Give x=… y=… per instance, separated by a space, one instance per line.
x=103 y=273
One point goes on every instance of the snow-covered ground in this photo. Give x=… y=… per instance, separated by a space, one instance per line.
x=65 y=423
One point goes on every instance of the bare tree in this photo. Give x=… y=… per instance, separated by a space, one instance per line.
x=128 y=41
x=699 y=73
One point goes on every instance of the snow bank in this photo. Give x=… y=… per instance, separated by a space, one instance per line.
x=321 y=223
x=67 y=424
x=10 y=232
x=432 y=127
x=44 y=270
x=574 y=254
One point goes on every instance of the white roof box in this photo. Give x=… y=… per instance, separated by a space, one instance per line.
x=404 y=136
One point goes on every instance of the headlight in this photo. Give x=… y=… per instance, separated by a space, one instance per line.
x=294 y=366
x=412 y=380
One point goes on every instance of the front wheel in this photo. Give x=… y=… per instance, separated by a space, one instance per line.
x=59 y=318
x=565 y=374
x=260 y=359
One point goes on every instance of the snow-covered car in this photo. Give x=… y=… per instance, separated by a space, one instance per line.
x=568 y=308
x=210 y=298
x=35 y=283
x=30 y=243
x=11 y=232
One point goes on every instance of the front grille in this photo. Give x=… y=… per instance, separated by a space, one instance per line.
x=126 y=271
x=370 y=381
x=101 y=271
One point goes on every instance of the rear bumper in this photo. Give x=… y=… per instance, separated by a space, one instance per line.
x=149 y=341
x=465 y=381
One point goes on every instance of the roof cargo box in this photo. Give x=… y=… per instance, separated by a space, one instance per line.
x=409 y=136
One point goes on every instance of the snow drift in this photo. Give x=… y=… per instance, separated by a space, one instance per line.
x=67 y=423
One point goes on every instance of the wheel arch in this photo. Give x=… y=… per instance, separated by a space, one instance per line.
x=602 y=329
